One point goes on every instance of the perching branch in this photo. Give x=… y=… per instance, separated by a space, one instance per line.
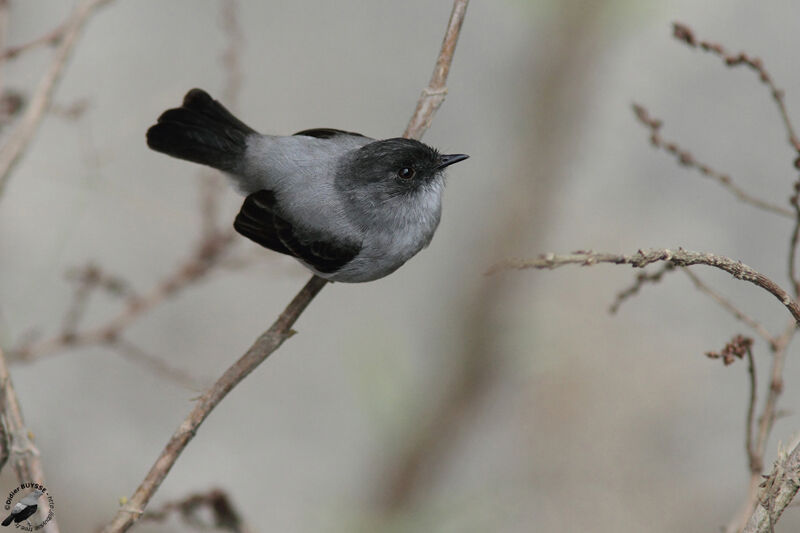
x=434 y=94
x=20 y=138
x=18 y=445
x=280 y=330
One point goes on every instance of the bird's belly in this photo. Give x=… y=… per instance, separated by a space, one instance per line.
x=382 y=256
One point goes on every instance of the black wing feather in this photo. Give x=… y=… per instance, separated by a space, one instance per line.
x=327 y=133
x=259 y=221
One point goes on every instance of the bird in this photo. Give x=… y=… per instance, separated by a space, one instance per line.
x=348 y=207
x=24 y=508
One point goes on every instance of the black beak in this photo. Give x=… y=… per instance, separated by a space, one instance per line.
x=447 y=160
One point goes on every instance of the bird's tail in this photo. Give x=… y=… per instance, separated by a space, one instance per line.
x=201 y=131
x=8 y=520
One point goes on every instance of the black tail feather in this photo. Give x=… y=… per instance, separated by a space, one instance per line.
x=201 y=131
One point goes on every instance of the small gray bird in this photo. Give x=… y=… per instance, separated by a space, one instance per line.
x=24 y=508
x=348 y=207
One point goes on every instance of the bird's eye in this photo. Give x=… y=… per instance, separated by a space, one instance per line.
x=406 y=173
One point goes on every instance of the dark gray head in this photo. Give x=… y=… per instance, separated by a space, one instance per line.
x=399 y=165
x=395 y=183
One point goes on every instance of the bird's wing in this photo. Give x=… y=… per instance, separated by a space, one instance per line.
x=19 y=506
x=25 y=513
x=328 y=133
x=260 y=221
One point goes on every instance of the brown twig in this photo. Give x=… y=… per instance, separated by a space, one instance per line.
x=641 y=279
x=158 y=366
x=777 y=492
x=266 y=344
x=280 y=330
x=22 y=452
x=687 y=159
x=199 y=264
x=755 y=462
x=51 y=38
x=732 y=309
x=679 y=257
x=685 y=34
x=224 y=515
x=20 y=138
x=434 y=94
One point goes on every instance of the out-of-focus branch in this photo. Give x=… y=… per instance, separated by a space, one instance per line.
x=19 y=446
x=199 y=264
x=687 y=159
x=683 y=33
x=20 y=138
x=50 y=38
x=731 y=308
x=270 y=340
x=679 y=257
x=224 y=515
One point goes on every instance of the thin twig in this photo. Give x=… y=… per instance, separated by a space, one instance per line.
x=272 y=339
x=794 y=240
x=51 y=38
x=754 y=460
x=199 y=264
x=687 y=159
x=641 y=279
x=679 y=257
x=434 y=94
x=21 y=137
x=764 y=426
x=158 y=366
x=683 y=33
x=23 y=454
x=224 y=515
x=732 y=309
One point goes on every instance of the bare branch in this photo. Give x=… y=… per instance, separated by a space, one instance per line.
x=777 y=492
x=273 y=338
x=754 y=460
x=224 y=515
x=732 y=309
x=434 y=94
x=51 y=38
x=22 y=135
x=679 y=257
x=199 y=264
x=266 y=344
x=22 y=452
x=683 y=33
x=158 y=366
x=687 y=159
x=641 y=279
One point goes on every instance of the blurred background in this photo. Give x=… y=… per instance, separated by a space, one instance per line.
x=437 y=399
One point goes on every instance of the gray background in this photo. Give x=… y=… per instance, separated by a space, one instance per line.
x=586 y=421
